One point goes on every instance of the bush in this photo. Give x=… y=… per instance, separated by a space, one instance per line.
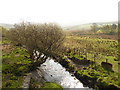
x=50 y=85
x=13 y=78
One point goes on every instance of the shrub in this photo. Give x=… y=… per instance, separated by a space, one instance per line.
x=50 y=85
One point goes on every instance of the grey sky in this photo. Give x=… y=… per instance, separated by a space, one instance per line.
x=63 y=12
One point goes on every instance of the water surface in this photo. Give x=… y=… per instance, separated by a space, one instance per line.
x=54 y=72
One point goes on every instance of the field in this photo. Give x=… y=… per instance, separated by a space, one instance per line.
x=16 y=65
x=94 y=49
x=91 y=58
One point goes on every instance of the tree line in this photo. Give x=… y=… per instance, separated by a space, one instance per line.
x=109 y=29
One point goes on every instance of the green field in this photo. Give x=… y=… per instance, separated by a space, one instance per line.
x=14 y=67
x=19 y=59
x=88 y=47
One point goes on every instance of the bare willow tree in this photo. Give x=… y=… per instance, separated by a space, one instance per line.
x=40 y=40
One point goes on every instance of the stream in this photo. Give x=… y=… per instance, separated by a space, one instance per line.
x=54 y=72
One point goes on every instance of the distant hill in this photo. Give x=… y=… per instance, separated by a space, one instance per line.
x=6 y=25
x=101 y=23
x=75 y=27
x=87 y=26
x=78 y=27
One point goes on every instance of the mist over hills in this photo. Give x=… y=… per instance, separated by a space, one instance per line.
x=6 y=25
x=72 y=27
x=87 y=26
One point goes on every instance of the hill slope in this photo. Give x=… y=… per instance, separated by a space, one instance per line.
x=87 y=26
x=6 y=25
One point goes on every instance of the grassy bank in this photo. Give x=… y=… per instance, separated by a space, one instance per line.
x=45 y=85
x=93 y=76
x=16 y=65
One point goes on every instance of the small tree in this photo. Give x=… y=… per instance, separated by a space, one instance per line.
x=39 y=39
x=3 y=31
x=94 y=28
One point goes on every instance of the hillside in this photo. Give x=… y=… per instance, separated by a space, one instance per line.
x=87 y=26
x=6 y=25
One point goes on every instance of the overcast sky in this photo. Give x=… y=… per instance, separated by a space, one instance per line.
x=63 y=12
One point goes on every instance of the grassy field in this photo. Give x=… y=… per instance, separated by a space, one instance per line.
x=16 y=61
x=97 y=50
x=15 y=65
x=92 y=76
x=88 y=47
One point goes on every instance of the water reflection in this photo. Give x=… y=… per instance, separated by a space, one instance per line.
x=54 y=72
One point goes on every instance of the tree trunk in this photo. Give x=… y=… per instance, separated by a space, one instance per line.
x=40 y=61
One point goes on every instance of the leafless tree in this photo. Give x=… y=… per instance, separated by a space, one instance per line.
x=38 y=39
